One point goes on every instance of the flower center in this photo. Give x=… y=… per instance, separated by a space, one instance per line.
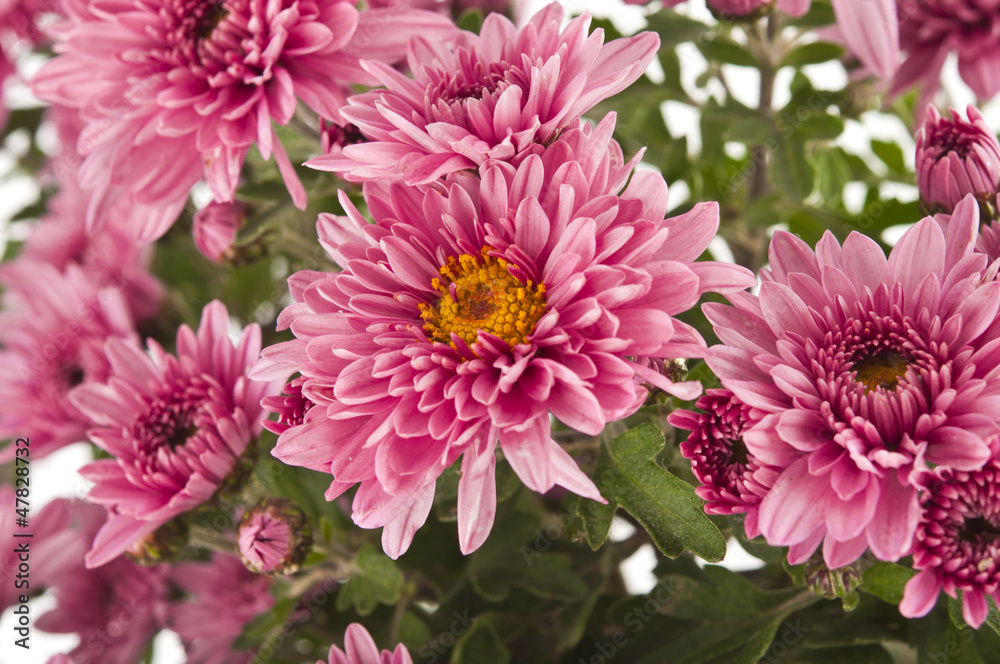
x=738 y=450
x=882 y=369
x=978 y=529
x=479 y=294
x=170 y=420
x=950 y=138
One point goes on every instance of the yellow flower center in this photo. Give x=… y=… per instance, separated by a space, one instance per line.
x=479 y=294
x=881 y=370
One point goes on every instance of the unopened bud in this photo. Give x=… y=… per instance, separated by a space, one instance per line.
x=274 y=537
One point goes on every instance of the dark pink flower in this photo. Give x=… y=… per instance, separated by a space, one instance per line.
x=932 y=29
x=869 y=370
x=733 y=480
x=739 y=8
x=176 y=90
x=222 y=598
x=215 y=227
x=360 y=648
x=116 y=609
x=957 y=543
x=290 y=407
x=496 y=95
x=956 y=157
x=53 y=328
x=175 y=427
x=465 y=316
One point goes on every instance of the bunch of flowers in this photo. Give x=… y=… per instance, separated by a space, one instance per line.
x=461 y=304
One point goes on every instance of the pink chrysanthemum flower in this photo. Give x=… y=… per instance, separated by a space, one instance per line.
x=116 y=609
x=290 y=407
x=466 y=316
x=956 y=157
x=52 y=329
x=934 y=28
x=174 y=425
x=222 y=598
x=174 y=90
x=214 y=228
x=957 y=543
x=496 y=95
x=733 y=480
x=869 y=369
x=360 y=648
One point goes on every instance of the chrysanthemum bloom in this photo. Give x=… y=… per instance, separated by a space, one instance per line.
x=116 y=609
x=222 y=598
x=214 y=228
x=292 y=405
x=465 y=317
x=869 y=370
x=174 y=425
x=174 y=90
x=360 y=648
x=932 y=29
x=274 y=537
x=733 y=480
x=728 y=9
x=496 y=95
x=957 y=543
x=956 y=157
x=53 y=327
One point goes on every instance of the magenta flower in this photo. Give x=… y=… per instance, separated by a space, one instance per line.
x=360 y=648
x=733 y=480
x=176 y=90
x=174 y=425
x=738 y=8
x=222 y=598
x=869 y=370
x=496 y=95
x=934 y=28
x=52 y=329
x=466 y=316
x=290 y=407
x=956 y=157
x=957 y=543
x=116 y=609
x=214 y=228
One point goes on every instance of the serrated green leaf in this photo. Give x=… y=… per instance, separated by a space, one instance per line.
x=666 y=506
x=480 y=645
x=376 y=579
x=886 y=581
x=811 y=54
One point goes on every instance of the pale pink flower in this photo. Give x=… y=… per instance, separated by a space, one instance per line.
x=956 y=157
x=932 y=29
x=957 y=543
x=116 y=609
x=497 y=95
x=53 y=327
x=214 y=228
x=465 y=316
x=176 y=90
x=869 y=370
x=732 y=480
x=222 y=598
x=175 y=427
x=360 y=648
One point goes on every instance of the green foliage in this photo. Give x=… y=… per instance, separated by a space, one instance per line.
x=375 y=579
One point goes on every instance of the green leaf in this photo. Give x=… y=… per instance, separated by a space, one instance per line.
x=886 y=581
x=471 y=20
x=724 y=49
x=666 y=506
x=480 y=645
x=792 y=171
x=811 y=54
x=675 y=29
x=890 y=154
x=376 y=579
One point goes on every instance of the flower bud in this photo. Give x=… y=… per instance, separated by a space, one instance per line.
x=739 y=10
x=832 y=583
x=215 y=228
x=274 y=537
x=956 y=157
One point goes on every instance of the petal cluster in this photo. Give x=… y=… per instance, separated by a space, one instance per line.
x=174 y=426
x=570 y=282
x=360 y=648
x=497 y=95
x=869 y=371
x=956 y=157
